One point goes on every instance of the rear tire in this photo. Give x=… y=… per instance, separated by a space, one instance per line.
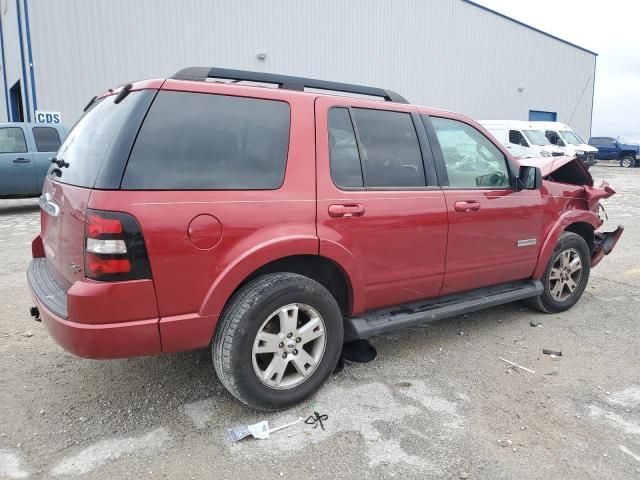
x=627 y=162
x=566 y=275
x=278 y=340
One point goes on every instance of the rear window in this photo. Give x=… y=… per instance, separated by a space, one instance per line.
x=89 y=141
x=47 y=139
x=197 y=141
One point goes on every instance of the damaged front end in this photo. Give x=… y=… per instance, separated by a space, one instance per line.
x=604 y=243
x=568 y=178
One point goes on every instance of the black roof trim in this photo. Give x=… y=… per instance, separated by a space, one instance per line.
x=529 y=27
x=285 y=81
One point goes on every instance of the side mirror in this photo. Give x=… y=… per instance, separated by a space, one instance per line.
x=529 y=178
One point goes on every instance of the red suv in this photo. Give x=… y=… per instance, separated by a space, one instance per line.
x=237 y=211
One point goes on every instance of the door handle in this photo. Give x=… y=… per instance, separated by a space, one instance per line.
x=346 y=210
x=22 y=160
x=467 y=206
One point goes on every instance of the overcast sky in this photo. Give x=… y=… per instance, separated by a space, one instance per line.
x=611 y=29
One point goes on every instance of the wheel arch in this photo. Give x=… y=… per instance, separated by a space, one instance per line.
x=303 y=260
x=580 y=222
x=586 y=231
x=321 y=269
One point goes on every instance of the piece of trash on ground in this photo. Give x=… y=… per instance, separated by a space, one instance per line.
x=258 y=430
x=553 y=353
x=514 y=364
x=534 y=324
x=316 y=419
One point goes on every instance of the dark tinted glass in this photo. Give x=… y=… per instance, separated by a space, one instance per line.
x=345 y=160
x=195 y=141
x=517 y=138
x=47 y=139
x=390 y=152
x=12 y=140
x=89 y=141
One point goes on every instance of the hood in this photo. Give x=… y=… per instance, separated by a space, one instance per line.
x=629 y=146
x=585 y=147
x=549 y=148
x=566 y=169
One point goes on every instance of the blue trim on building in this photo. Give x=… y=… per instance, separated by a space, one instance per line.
x=529 y=26
x=24 y=70
x=4 y=72
x=593 y=95
x=30 y=57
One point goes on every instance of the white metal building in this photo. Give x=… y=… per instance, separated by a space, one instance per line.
x=451 y=54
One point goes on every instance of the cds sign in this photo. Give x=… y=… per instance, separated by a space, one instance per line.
x=48 y=117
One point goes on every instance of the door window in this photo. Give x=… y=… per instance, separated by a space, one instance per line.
x=346 y=170
x=517 y=138
x=47 y=139
x=471 y=159
x=390 y=152
x=12 y=140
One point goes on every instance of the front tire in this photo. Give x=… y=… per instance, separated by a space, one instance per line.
x=566 y=276
x=278 y=340
x=627 y=162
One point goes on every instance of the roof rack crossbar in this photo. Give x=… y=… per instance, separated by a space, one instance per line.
x=285 y=82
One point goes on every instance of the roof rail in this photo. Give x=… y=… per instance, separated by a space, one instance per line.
x=285 y=81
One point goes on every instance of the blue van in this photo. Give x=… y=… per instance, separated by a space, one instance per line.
x=26 y=150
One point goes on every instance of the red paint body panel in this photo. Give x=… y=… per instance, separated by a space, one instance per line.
x=187 y=332
x=114 y=340
x=482 y=246
x=398 y=246
x=91 y=302
x=63 y=236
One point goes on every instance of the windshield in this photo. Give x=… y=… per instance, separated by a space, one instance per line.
x=536 y=137
x=571 y=138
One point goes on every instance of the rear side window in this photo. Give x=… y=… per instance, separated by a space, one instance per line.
x=12 y=140
x=390 y=151
x=47 y=139
x=343 y=147
x=197 y=141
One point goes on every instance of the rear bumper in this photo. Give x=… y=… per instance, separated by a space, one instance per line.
x=89 y=340
x=604 y=243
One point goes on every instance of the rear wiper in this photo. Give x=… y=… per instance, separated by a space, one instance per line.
x=123 y=93
x=91 y=102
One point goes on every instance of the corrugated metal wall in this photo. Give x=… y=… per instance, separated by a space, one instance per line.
x=441 y=53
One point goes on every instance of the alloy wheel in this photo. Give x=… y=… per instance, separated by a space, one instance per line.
x=289 y=346
x=565 y=274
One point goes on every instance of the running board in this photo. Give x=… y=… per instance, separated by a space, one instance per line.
x=386 y=320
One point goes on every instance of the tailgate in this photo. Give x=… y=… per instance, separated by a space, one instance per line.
x=62 y=215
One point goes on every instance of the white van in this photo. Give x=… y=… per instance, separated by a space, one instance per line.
x=562 y=135
x=523 y=139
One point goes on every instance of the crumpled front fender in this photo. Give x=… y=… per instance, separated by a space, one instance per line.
x=569 y=217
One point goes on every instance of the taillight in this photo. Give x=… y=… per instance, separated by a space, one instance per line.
x=114 y=247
